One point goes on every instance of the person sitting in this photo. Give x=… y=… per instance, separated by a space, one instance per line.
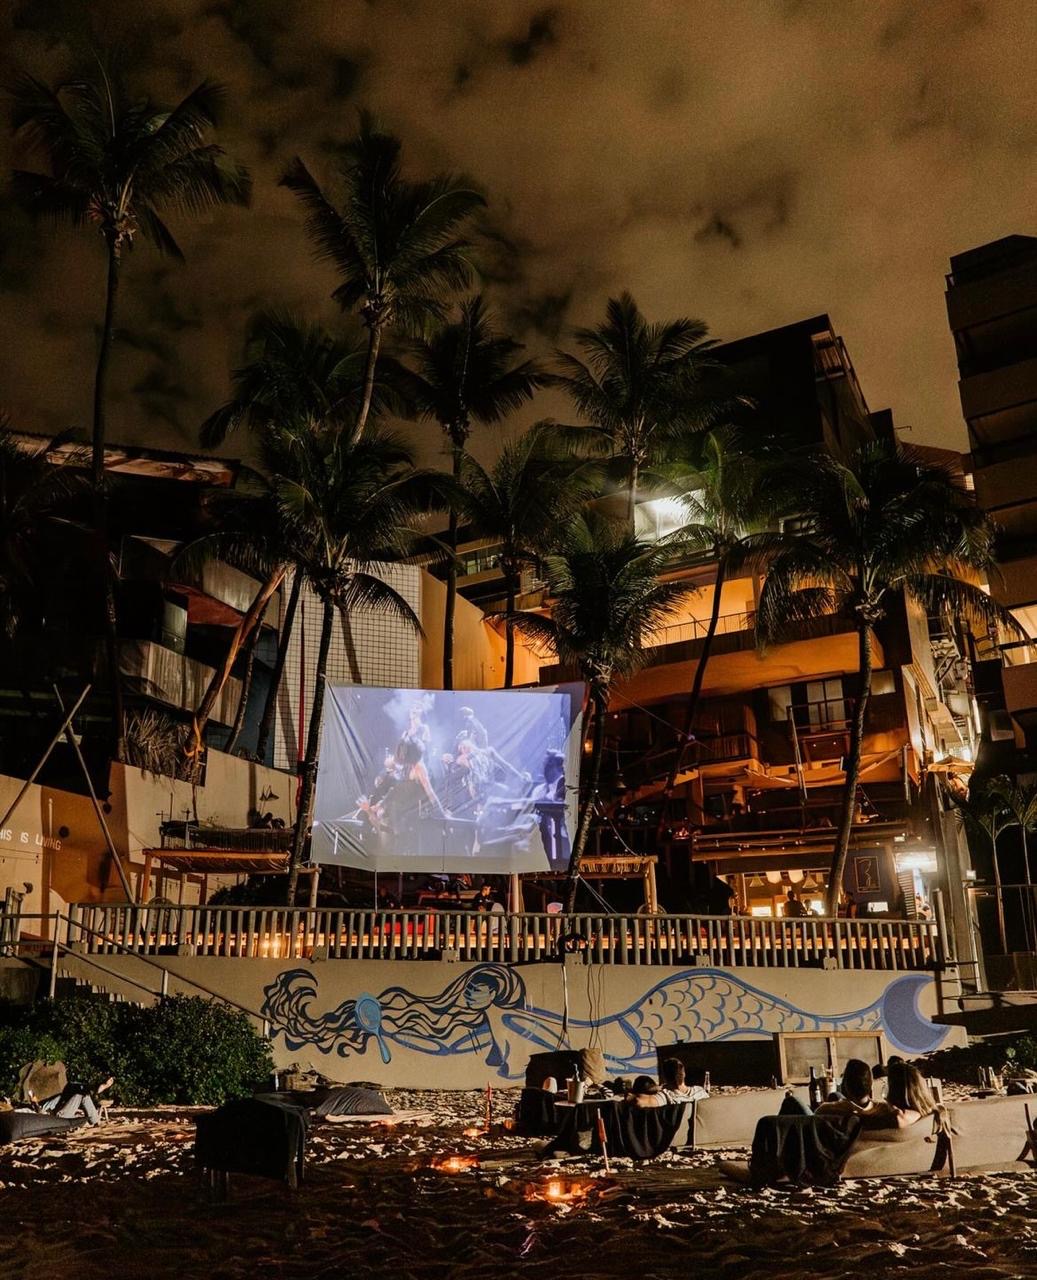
x=76 y=1100
x=855 y=1092
x=674 y=1085
x=644 y=1092
x=907 y=1100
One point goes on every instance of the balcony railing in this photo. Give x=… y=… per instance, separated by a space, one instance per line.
x=696 y=628
x=189 y=835
x=281 y=933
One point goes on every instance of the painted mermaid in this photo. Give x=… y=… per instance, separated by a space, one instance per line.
x=485 y=1008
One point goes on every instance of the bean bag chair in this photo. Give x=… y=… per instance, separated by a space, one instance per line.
x=18 y=1125
x=256 y=1136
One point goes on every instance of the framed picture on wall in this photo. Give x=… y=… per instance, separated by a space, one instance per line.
x=866 y=874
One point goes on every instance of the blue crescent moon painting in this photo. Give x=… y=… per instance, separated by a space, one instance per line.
x=485 y=1011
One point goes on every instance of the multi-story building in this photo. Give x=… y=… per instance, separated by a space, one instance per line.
x=992 y=308
x=757 y=796
x=175 y=833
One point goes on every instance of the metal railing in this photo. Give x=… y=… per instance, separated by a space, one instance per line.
x=82 y=943
x=723 y=941
x=695 y=629
x=189 y=835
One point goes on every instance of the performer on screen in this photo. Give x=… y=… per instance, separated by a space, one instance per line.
x=551 y=794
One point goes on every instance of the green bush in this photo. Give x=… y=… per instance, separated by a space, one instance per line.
x=19 y=1045
x=189 y=1050
x=181 y=1050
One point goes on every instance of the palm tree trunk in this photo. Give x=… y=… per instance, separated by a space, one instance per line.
x=695 y=697
x=635 y=471
x=451 y=589
x=309 y=767
x=246 y=689
x=599 y=700
x=111 y=634
x=1001 y=931
x=853 y=769
x=509 y=632
x=374 y=342
x=249 y=622
x=267 y=722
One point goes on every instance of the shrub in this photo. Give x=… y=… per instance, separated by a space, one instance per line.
x=19 y=1045
x=189 y=1050
x=182 y=1050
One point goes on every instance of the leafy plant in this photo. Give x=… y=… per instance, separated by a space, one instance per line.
x=182 y=1050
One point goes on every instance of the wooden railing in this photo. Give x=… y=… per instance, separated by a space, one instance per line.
x=723 y=941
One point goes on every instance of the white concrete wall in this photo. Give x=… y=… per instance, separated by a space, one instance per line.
x=436 y=1024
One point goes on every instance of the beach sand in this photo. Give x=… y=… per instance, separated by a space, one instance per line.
x=125 y=1200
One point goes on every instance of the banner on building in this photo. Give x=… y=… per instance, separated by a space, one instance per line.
x=448 y=781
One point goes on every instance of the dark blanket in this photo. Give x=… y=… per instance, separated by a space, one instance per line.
x=639 y=1132
x=16 y=1125
x=535 y=1114
x=337 y=1100
x=806 y=1150
x=260 y=1137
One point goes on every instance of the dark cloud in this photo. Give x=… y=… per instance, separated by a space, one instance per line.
x=541 y=33
x=751 y=164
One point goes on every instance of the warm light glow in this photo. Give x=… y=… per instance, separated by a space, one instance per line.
x=474 y=1131
x=559 y=1190
x=455 y=1164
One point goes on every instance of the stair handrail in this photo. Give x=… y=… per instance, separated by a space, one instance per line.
x=56 y=917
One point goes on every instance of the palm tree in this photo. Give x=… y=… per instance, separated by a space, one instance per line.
x=118 y=163
x=464 y=373
x=294 y=374
x=607 y=599
x=346 y=505
x=641 y=386
x=396 y=245
x=985 y=816
x=722 y=501
x=872 y=529
x=246 y=530
x=1019 y=802
x=520 y=503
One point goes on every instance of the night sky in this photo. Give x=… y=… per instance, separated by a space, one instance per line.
x=750 y=162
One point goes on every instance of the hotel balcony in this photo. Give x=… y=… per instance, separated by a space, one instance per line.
x=999 y=404
x=997 y=297
x=153 y=671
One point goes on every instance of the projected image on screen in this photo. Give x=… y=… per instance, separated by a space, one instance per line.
x=413 y=780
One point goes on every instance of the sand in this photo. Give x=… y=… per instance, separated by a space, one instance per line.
x=126 y=1201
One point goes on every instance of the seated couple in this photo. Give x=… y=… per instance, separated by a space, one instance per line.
x=799 y=1147
x=671 y=1088
x=907 y=1099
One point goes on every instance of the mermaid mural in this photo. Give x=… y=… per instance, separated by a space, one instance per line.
x=485 y=1009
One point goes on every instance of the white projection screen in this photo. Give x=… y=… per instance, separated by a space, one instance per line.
x=428 y=780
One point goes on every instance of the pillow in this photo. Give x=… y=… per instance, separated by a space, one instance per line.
x=349 y=1101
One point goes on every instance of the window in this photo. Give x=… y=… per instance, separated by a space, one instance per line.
x=825 y=703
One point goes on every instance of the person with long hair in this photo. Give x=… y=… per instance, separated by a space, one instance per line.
x=907 y=1100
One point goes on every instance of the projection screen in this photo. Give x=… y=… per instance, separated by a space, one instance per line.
x=429 y=780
